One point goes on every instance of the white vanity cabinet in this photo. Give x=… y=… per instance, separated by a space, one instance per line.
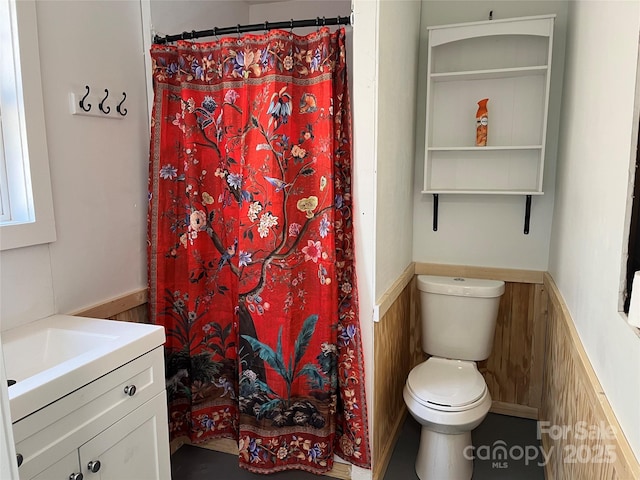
x=509 y=62
x=114 y=428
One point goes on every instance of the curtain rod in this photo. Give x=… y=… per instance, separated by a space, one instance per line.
x=255 y=27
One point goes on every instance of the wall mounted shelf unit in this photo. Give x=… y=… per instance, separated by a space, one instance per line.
x=509 y=62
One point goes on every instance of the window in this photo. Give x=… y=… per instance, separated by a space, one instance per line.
x=26 y=208
x=633 y=260
x=5 y=210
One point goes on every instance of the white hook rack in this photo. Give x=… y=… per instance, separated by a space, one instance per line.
x=89 y=105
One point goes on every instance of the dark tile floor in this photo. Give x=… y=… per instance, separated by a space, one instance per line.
x=518 y=435
x=514 y=432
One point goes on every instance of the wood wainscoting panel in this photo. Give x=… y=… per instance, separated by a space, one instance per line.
x=394 y=355
x=417 y=354
x=540 y=302
x=572 y=394
x=507 y=370
x=131 y=307
x=514 y=369
x=139 y=314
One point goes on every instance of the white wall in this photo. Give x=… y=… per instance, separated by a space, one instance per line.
x=299 y=10
x=98 y=166
x=399 y=35
x=365 y=94
x=8 y=466
x=596 y=150
x=487 y=230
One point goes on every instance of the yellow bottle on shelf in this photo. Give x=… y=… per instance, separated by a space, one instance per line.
x=482 y=123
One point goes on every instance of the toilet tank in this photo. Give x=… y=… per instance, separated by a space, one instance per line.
x=458 y=316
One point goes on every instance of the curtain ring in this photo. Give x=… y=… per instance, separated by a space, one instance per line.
x=193 y=36
x=183 y=35
x=238 y=31
x=266 y=26
x=291 y=25
x=215 y=33
x=318 y=23
x=324 y=22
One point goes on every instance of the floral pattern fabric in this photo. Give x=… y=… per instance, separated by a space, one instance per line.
x=251 y=254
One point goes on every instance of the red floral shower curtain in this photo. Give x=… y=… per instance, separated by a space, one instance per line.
x=251 y=255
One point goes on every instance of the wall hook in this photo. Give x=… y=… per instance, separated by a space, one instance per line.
x=82 y=104
x=101 y=106
x=122 y=111
x=82 y=107
x=527 y=214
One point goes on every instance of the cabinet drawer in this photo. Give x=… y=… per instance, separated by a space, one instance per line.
x=53 y=432
x=135 y=447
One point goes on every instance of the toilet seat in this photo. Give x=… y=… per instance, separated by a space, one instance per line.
x=447 y=385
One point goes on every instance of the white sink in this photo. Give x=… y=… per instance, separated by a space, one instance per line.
x=54 y=356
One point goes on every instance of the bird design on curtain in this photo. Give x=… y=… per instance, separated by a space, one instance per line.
x=251 y=254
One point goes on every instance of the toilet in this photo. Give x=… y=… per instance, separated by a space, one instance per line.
x=447 y=394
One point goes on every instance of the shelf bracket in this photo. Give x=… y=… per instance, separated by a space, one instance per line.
x=527 y=214
x=435 y=212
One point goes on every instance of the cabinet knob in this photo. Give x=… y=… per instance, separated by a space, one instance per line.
x=19 y=458
x=93 y=466
x=130 y=390
x=76 y=476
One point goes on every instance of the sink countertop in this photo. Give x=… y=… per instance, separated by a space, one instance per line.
x=57 y=355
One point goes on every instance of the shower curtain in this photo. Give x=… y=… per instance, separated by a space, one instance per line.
x=251 y=254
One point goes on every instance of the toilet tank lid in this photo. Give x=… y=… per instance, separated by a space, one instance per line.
x=459 y=286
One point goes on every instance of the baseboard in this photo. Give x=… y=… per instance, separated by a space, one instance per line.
x=381 y=464
x=514 y=410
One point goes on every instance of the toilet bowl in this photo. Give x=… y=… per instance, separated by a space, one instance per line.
x=447 y=394
x=449 y=398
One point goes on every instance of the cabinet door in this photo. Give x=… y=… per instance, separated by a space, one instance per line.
x=134 y=448
x=61 y=470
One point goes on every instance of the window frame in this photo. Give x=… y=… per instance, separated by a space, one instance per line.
x=39 y=227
